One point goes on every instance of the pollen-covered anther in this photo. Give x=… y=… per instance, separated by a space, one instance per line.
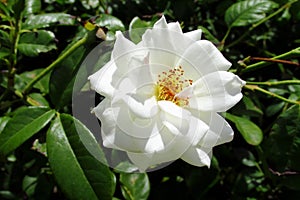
x=171 y=83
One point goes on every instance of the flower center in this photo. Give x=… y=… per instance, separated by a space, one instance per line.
x=171 y=83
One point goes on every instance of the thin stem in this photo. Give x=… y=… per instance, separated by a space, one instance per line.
x=275 y=61
x=54 y=64
x=255 y=66
x=287 y=5
x=255 y=87
x=285 y=82
x=11 y=64
x=226 y=35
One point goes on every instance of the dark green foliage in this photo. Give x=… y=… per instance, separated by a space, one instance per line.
x=46 y=153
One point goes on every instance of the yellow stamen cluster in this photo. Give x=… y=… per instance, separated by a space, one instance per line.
x=171 y=83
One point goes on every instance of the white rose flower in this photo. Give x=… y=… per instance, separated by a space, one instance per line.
x=163 y=96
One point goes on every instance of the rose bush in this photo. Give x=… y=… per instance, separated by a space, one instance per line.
x=163 y=97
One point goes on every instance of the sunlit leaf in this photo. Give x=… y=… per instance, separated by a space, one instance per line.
x=249 y=130
x=46 y=20
x=90 y=4
x=22 y=126
x=126 y=166
x=77 y=161
x=248 y=12
x=37 y=99
x=32 y=6
x=135 y=186
x=110 y=22
x=3 y=122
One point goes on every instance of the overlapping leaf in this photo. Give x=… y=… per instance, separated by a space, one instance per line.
x=249 y=130
x=77 y=161
x=135 y=186
x=33 y=43
x=48 y=19
x=24 y=124
x=248 y=12
x=32 y=6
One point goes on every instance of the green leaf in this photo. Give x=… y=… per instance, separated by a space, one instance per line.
x=274 y=109
x=4 y=52
x=18 y=8
x=46 y=20
x=32 y=6
x=248 y=12
x=24 y=124
x=110 y=22
x=5 y=39
x=63 y=2
x=126 y=166
x=90 y=4
x=137 y=27
x=42 y=85
x=283 y=144
x=61 y=86
x=33 y=43
x=5 y=194
x=135 y=186
x=250 y=106
x=3 y=122
x=37 y=99
x=282 y=147
x=250 y=131
x=4 y=9
x=76 y=160
x=208 y=35
x=28 y=185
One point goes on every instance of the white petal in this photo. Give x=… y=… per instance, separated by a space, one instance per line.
x=101 y=81
x=127 y=55
x=166 y=42
x=219 y=130
x=142 y=110
x=122 y=129
x=175 y=144
x=174 y=26
x=135 y=79
x=122 y=46
x=172 y=151
x=194 y=35
x=161 y=23
x=217 y=91
x=198 y=156
x=202 y=58
x=175 y=115
x=180 y=122
x=108 y=128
